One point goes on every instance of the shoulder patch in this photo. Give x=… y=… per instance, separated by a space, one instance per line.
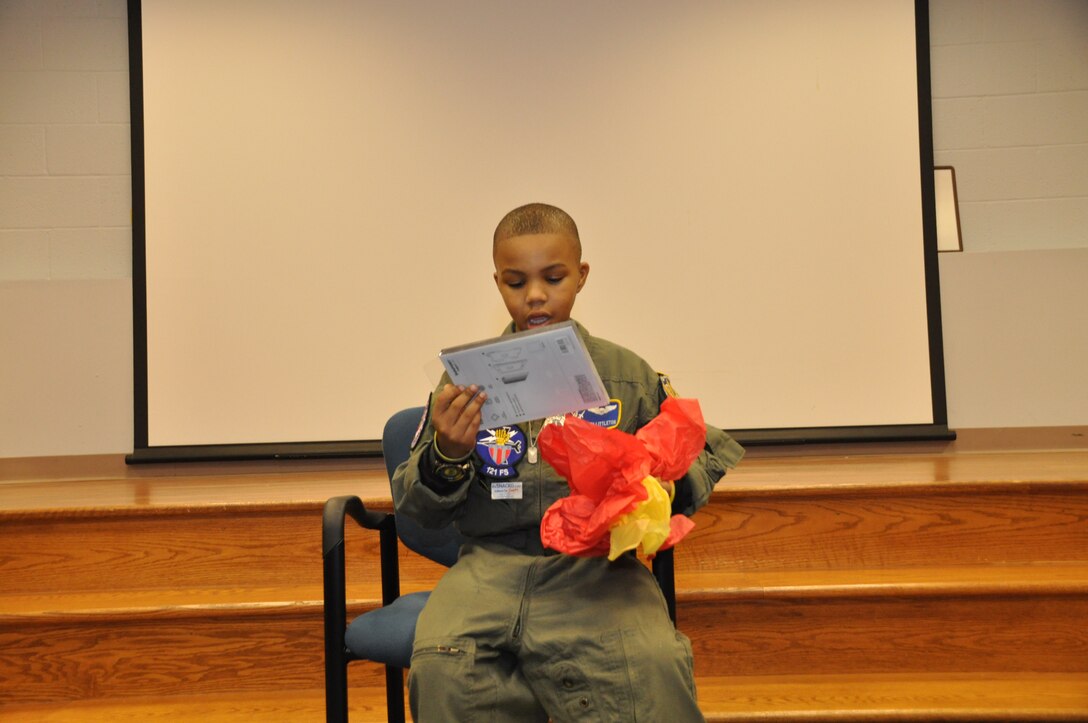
x=666 y=385
x=422 y=423
x=607 y=416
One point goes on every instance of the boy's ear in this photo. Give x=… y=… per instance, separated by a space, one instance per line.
x=583 y=274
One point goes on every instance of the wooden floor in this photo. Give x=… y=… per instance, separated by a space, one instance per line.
x=920 y=581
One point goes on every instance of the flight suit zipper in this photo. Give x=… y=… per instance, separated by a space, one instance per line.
x=515 y=634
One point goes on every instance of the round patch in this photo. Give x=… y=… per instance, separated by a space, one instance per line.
x=500 y=449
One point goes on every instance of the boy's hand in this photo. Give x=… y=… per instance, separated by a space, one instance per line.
x=457 y=418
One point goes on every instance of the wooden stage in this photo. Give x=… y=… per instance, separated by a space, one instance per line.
x=88 y=483
x=913 y=581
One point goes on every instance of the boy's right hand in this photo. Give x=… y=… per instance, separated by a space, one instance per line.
x=456 y=419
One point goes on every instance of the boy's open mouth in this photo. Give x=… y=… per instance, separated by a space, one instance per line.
x=537 y=320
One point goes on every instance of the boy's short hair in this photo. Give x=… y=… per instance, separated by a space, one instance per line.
x=536 y=218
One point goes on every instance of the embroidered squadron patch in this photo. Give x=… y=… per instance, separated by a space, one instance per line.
x=500 y=449
x=607 y=416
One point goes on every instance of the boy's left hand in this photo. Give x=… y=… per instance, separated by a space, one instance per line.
x=456 y=419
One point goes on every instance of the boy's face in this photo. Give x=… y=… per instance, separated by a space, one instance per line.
x=539 y=277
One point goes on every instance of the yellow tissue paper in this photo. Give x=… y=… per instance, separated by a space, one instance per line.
x=647 y=526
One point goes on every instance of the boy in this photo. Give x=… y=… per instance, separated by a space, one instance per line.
x=515 y=632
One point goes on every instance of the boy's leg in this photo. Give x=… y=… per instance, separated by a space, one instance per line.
x=462 y=667
x=599 y=645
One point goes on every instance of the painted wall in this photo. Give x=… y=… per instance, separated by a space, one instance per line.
x=1010 y=87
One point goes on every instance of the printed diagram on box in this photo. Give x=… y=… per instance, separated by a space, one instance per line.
x=528 y=375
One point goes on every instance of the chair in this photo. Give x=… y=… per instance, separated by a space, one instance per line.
x=385 y=635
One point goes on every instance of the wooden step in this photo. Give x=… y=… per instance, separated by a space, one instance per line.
x=899 y=525
x=807 y=582
x=944 y=697
x=1000 y=619
x=176 y=541
x=250 y=547
x=217 y=640
x=896 y=697
x=249 y=530
x=263 y=545
x=997 y=619
x=289 y=706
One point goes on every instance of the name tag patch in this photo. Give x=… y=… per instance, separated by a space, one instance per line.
x=506 y=490
x=607 y=416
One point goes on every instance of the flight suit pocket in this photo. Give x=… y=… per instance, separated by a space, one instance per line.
x=593 y=684
x=575 y=694
x=443 y=652
x=441 y=659
x=435 y=663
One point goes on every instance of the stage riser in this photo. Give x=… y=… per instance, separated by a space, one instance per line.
x=270 y=548
x=784 y=585
x=889 y=528
x=50 y=663
x=204 y=652
x=889 y=635
x=137 y=552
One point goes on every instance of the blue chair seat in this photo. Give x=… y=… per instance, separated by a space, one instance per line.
x=385 y=635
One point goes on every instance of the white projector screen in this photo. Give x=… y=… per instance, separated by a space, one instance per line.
x=316 y=184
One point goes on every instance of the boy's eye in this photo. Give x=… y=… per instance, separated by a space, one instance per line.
x=555 y=280
x=515 y=284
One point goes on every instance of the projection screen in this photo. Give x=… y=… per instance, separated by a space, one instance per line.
x=316 y=184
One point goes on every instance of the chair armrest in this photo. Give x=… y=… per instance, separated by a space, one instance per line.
x=333 y=518
x=336 y=511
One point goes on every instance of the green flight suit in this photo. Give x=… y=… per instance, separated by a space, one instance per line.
x=516 y=632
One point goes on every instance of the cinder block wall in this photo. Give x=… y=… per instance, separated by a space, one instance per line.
x=1010 y=113
x=65 y=198
x=1010 y=83
x=65 y=228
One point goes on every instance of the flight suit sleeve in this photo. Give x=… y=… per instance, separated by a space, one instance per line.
x=720 y=454
x=421 y=495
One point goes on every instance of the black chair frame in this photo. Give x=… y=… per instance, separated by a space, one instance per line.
x=337 y=655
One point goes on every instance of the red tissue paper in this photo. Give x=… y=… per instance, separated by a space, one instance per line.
x=621 y=484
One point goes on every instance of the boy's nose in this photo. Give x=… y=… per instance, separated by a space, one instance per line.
x=536 y=292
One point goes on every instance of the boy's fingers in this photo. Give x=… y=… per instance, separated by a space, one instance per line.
x=468 y=422
x=458 y=426
x=444 y=404
x=446 y=397
x=461 y=401
x=475 y=404
x=457 y=410
x=468 y=411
